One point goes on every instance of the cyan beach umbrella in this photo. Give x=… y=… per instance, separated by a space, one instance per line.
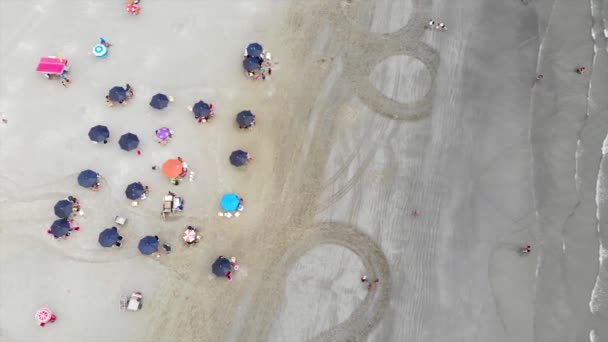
x=135 y=191
x=201 y=110
x=118 y=94
x=254 y=50
x=63 y=208
x=221 y=267
x=87 y=178
x=99 y=133
x=238 y=158
x=148 y=245
x=60 y=227
x=252 y=63
x=108 y=237
x=230 y=202
x=159 y=101
x=128 y=141
x=245 y=118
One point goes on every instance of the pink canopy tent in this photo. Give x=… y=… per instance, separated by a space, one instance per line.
x=52 y=65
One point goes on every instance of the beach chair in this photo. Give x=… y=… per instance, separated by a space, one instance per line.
x=120 y=220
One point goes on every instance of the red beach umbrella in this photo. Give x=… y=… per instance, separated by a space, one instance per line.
x=172 y=168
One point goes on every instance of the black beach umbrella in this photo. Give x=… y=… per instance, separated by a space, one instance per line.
x=99 y=133
x=87 y=178
x=135 y=191
x=128 y=141
x=148 y=245
x=118 y=94
x=254 y=50
x=159 y=101
x=252 y=63
x=63 y=208
x=238 y=158
x=60 y=227
x=108 y=237
x=221 y=267
x=245 y=118
x=201 y=110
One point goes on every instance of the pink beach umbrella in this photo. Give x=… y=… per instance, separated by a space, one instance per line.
x=44 y=316
x=189 y=235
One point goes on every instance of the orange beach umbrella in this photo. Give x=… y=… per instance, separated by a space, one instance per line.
x=172 y=168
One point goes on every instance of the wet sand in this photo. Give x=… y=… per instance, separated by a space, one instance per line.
x=368 y=116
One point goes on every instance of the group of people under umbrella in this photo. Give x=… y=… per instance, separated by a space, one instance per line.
x=137 y=191
x=223 y=267
x=202 y=111
x=65 y=209
x=256 y=62
x=175 y=170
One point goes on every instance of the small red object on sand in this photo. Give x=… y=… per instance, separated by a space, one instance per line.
x=139 y=152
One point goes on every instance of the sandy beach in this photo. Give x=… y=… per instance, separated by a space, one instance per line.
x=368 y=117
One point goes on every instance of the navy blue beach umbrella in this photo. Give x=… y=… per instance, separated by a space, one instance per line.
x=63 y=208
x=201 y=110
x=254 y=50
x=148 y=245
x=238 y=158
x=221 y=267
x=128 y=141
x=252 y=63
x=118 y=94
x=135 y=191
x=99 y=133
x=245 y=118
x=60 y=227
x=108 y=237
x=87 y=178
x=159 y=101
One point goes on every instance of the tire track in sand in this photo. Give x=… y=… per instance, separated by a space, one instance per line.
x=269 y=296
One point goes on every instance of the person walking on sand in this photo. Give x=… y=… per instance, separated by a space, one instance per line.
x=371 y=286
x=129 y=90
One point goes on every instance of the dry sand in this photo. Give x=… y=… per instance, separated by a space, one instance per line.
x=367 y=117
